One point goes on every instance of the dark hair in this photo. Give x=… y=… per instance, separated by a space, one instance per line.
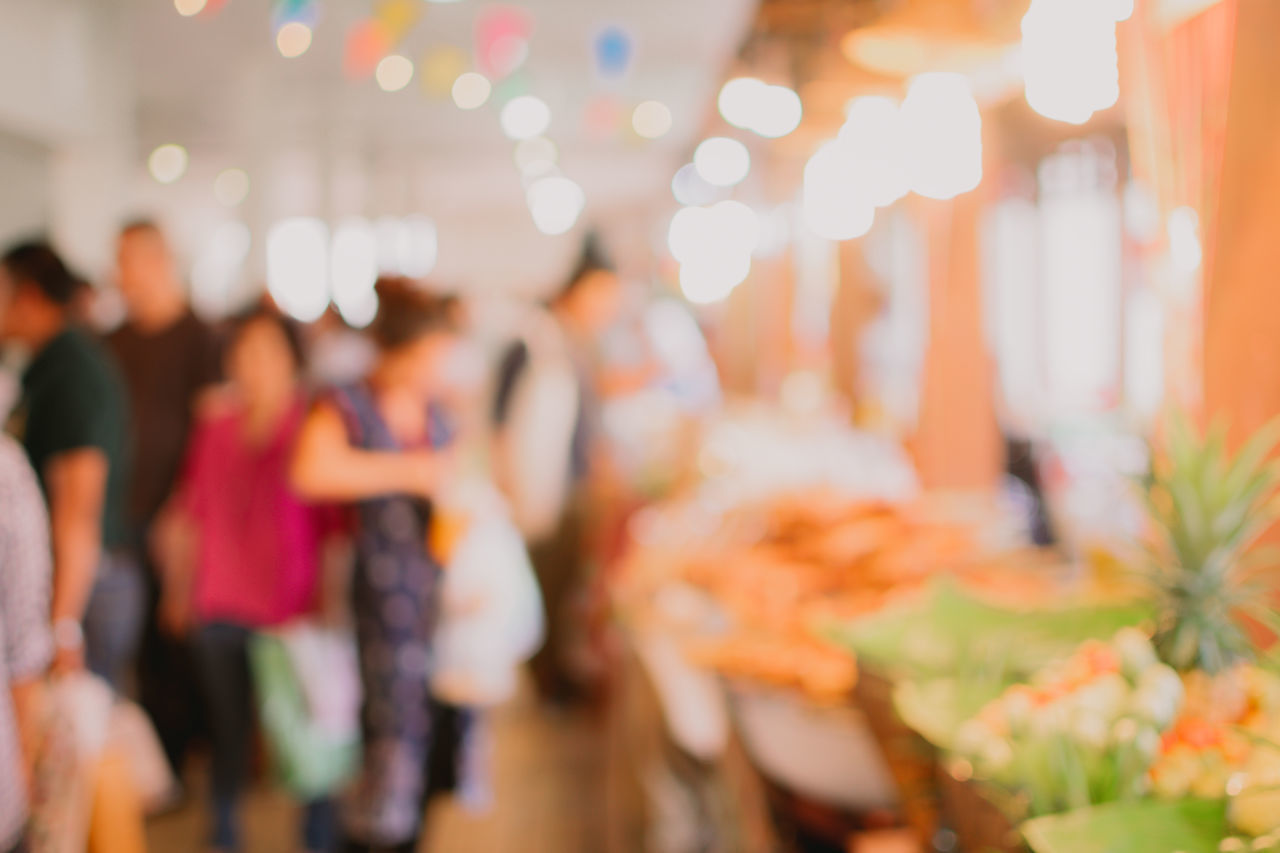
x=594 y=258
x=407 y=312
x=269 y=314
x=36 y=263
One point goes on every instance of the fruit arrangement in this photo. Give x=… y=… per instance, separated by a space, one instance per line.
x=1083 y=731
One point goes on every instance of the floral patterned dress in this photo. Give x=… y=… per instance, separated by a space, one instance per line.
x=394 y=597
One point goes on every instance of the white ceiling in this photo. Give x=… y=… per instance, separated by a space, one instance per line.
x=317 y=143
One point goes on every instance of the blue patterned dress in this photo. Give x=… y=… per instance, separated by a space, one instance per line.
x=394 y=600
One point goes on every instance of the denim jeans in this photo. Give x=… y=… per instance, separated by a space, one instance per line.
x=222 y=655
x=113 y=618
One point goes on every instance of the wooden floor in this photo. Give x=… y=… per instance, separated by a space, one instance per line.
x=548 y=774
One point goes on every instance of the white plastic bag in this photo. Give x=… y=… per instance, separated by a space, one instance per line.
x=130 y=733
x=491 y=609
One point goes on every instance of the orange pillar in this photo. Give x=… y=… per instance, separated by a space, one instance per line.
x=1242 y=293
x=957 y=444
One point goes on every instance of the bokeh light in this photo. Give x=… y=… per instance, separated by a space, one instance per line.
x=440 y=69
x=168 y=163
x=293 y=39
x=873 y=134
x=353 y=270
x=394 y=72
x=942 y=130
x=689 y=188
x=837 y=205
x=536 y=157
x=471 y=90
x=367 y=43
x=651 y=119
x=1070 y=63
x=714 y=247
x=397 y=17
x=721 y=161
x=502 y=40
x=231 y=187
x=556 y=203
x=298 y=267
x=188 y=8
x=219 y=268
x=752 y=104
x=525 y=117
x=613 y=52
x=738 y=98
x=706 y=282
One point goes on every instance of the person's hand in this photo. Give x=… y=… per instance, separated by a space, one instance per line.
x=67 y=660
x=428 y=471
x=68 y=646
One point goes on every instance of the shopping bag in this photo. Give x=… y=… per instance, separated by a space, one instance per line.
x=491 y=616
x=74 y=727
x=309 y=758
x=131 y=736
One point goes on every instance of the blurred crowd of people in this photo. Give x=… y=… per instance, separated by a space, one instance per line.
x=171 y=488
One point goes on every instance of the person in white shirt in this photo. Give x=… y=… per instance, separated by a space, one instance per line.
x=26 y=641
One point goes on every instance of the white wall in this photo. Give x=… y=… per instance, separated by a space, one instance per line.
x=24 y=175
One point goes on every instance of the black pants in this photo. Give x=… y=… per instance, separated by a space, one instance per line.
x=222 y=651
x=168 y=684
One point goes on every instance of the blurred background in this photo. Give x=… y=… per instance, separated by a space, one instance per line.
x=844 y=296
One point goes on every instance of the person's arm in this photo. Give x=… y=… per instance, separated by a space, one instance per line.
x=77 y=485
x=327 y=468
x=174 y=544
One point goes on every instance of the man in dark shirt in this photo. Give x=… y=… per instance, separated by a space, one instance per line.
x=169 y=357
x=73 y=424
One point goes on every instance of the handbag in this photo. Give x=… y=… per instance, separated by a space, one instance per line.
x=314 y=745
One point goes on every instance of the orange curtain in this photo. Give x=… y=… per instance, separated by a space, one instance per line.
x=1176 y=79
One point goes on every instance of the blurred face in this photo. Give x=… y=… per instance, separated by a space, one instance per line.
x=260 y=362
x=144 y=268
x=20 y=307
x=425 y=362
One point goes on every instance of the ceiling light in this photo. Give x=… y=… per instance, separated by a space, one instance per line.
x=353 y=269
x=751 y=104
x=836 y=203
x=556 y=203
x=942 y=131
x=231 y=187
x=471 y=90
x=738 y=99
x=293 y=39
x=651 y=119
x=394 y=72
x=525 y=117
x=722 y=161
x=298 y=267
x=168 y=163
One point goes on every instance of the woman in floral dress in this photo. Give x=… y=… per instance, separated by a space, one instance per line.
x=382 y=445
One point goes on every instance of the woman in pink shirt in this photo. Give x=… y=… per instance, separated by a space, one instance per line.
x=256 y=548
